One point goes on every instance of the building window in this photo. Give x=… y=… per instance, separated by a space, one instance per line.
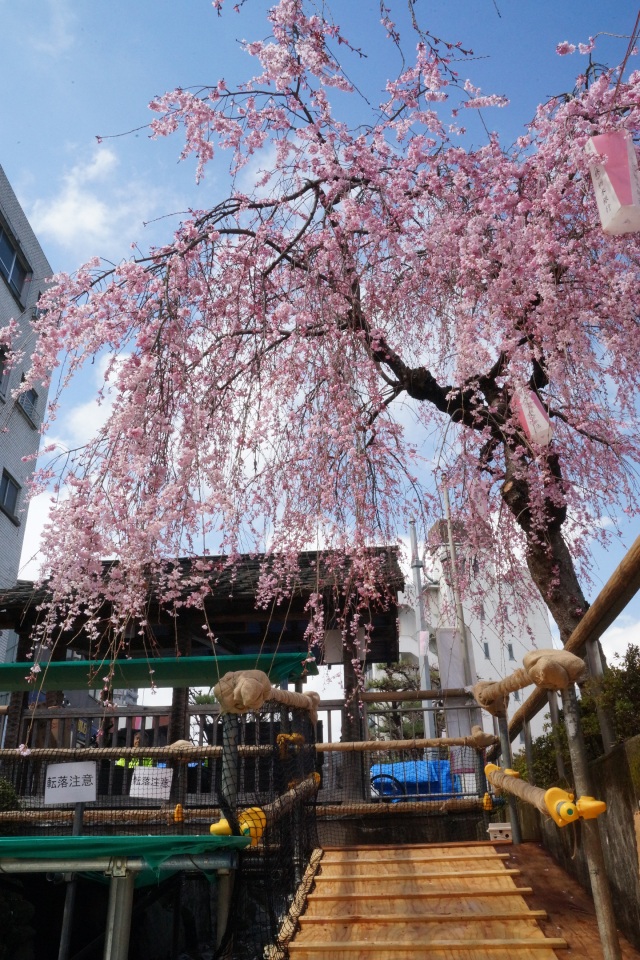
x=29 y=403
x=481 y=613
x=4 y=374
x=510 y=651
x=9 y=491
x=487 y=655
x=14 y=272
x=516 y=696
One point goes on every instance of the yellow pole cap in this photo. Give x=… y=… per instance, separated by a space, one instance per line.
x=221 y=828
x=589 y=808
x=560 y=806
x=252 y=823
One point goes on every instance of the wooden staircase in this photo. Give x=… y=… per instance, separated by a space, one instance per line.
x=453 y=902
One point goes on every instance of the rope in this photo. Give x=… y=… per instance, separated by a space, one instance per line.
x=519 y=788
x=478 y=741
x=290 y=923
x=548 y=669
x=423 y=808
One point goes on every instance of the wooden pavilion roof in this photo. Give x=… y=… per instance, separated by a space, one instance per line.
x=230 y=608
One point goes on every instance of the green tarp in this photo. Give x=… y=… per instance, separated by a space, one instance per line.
x=154 y=850
x=157 y=672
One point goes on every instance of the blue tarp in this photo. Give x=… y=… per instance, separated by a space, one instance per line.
x=414 y=777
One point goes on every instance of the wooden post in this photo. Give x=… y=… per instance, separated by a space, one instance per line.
x=605 y=721
x=528 y=752
x=230 y=739
x=70 y=892
x=179 y=726
x=505 y=750
x=119 y=910
x=17 y=701
x=225 y=889
x=590 y=830
x=555 y=730
x=353 y=765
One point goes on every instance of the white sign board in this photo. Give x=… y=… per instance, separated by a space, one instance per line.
x=70 y=782
x=154 y=783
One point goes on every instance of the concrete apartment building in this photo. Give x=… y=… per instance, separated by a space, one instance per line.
x=495 y=649
x=24 y=271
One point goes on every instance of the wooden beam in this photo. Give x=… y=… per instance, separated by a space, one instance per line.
x=436 y=875
x=431 y=894
x=401 y=695
x=380 y=951
x=425 y=918
x=619 y=589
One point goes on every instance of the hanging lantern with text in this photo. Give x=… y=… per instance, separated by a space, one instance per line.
x=616 y=182
x=532 y=417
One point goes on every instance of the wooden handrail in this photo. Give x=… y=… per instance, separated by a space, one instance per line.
x=388 y=696
x=619 y=589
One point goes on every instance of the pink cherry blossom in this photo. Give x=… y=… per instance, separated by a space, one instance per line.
x=300 y=366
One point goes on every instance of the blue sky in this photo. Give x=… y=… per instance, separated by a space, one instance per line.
x=74 y=69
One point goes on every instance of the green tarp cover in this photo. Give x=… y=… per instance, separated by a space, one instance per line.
x=158 y=672
x=154 y=850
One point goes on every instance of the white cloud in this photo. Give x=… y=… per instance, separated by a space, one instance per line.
x=81 y=422
x=56 y=33
x=38 y=515
x=253 y=172
x=623 y=632
x=94 y=212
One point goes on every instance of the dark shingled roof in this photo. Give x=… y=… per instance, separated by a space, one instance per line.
x=231 y=609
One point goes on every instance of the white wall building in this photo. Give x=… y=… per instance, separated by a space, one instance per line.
x=24 y=270
x=495 y=649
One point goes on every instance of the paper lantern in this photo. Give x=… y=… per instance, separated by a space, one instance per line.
x=532 y=417
x=616 y=182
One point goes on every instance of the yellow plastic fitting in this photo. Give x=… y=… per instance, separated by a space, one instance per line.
x=487 y=802
x=511 y=773
x=221 y=828
x=287 y=740
x=564 y=809
x=589 y=808
x=490 y=768
x=252 y=823
x=561 y=806
x=178 y=813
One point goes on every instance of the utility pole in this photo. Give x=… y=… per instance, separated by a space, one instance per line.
x=460 y=625
x=423 y=633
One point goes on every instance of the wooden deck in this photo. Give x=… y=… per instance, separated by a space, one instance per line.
x=453 y=902
x=570 y=908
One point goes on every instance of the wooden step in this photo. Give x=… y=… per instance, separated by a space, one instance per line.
x=469 y=845
x=502 y=949
x=406 y=876
x=499 y=888
x=339 y=930
x=409 y=868
x=358 y=915
x=430 y=887
x=434 y=900
x=416 y=858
